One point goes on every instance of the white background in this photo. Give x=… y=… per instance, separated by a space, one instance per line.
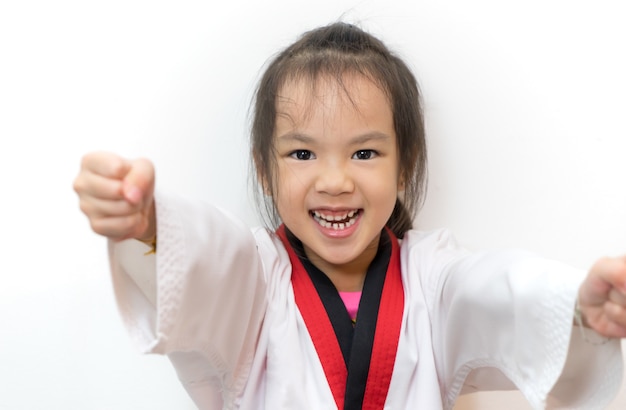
x=525 y=107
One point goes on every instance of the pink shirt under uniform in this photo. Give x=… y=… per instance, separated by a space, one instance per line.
x=351 y=300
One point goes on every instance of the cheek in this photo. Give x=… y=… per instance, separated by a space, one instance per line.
x=383 y=195
x=290 y=182
x=285 y=196
x=386 y=183
x=389 y=195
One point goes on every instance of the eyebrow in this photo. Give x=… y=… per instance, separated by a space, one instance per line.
x=370 y=136
x=294 y=136
x=358 y=140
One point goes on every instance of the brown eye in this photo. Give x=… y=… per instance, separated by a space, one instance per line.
x=364 y=154
x=302 y=155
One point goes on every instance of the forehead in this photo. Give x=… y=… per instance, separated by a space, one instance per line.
x=301 y=101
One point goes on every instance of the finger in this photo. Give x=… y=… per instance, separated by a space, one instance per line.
x=612 y=271
x=615 y=313
x=610 y=329
x=617 y=297
x=605 y=321
x=616 y=320
x=119 y=228
x=138 y=184
x=92 y=185
x=102 y=208
x=106 y=164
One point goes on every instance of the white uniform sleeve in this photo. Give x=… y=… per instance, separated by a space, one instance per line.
x=504 y=320
x=201 y=300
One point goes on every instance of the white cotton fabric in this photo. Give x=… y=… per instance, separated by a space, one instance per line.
x=217 y=299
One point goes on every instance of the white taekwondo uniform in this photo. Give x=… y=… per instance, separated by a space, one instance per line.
x=218 y=300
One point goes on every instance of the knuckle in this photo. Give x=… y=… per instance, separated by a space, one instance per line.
x=85 y=207
x=98 y=226
x=86 y=160
x=129 y=224
x=77 y=185
x=117 y=166
x=80 y=184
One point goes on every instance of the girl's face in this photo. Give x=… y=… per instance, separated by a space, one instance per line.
x=337 y=168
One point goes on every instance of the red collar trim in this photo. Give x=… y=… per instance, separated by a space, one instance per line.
x=323 y=336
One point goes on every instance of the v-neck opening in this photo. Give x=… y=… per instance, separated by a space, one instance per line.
x=356 y=341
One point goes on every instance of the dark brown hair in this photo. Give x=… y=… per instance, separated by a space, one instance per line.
x=332 y=52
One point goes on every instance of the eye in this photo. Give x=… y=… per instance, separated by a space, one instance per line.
x=302 y=155
x=364 y=154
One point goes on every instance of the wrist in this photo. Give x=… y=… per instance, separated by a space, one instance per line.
x=149 y=236
x=586 y=332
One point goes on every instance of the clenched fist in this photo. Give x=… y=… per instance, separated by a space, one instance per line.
x=117 y=195
x=602 y=297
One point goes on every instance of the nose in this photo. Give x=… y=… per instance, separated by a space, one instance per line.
x=334 y=179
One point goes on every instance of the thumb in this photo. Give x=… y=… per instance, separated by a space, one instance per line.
x=605 y=274
x=613 y=271
x=138 y=184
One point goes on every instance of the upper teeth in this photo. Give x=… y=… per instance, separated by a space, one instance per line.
x=330 y=221
x=331 y=218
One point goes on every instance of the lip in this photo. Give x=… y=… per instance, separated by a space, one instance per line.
x=336 y=223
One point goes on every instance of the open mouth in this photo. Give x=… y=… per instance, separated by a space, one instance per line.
x=336 y=221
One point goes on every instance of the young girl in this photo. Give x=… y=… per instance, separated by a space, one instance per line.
x=344 y=305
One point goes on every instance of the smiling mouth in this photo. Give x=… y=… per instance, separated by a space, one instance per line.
x=336 y=221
